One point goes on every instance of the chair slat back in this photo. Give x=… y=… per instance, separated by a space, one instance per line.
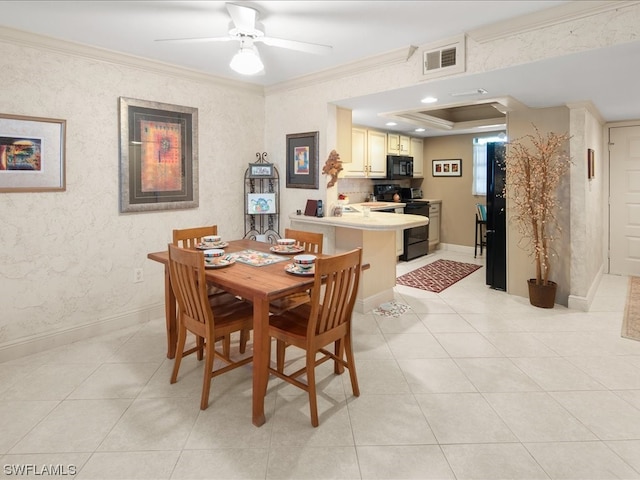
x=312 y=242
x=186 y=271
x=191 y=237
x=333 y=299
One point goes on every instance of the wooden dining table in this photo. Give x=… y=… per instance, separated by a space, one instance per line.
x=257 y=284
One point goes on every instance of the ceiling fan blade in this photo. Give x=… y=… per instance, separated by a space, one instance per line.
x=196 y=39
x=244 y=18
x=315 y=48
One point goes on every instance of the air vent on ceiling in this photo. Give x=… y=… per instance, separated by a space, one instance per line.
x=444 y=58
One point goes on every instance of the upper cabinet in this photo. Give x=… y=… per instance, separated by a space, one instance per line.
x=398 y=144
x=343 y=141
x=368 y=154
x=416 y=151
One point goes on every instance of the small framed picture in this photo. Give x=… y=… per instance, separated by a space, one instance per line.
x=447 y=168
x=260 y=170
x=302 y=160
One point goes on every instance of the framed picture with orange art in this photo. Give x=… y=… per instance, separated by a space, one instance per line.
x=158 y=156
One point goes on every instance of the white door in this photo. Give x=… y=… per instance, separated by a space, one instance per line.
x=624 y=230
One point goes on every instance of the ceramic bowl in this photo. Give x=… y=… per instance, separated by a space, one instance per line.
x=214 y=252
x=212 y=239
x=304 y=262
x=286 y=242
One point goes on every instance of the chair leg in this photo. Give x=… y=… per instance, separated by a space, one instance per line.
x=206 y=382
x=351 y=366
x=280 y=348
x=244 y=338
x=475 y=245
x=182 y=338
x=200 y=344
x=311 y=385
x=226 y=346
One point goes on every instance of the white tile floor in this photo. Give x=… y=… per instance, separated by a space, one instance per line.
x=471 y=383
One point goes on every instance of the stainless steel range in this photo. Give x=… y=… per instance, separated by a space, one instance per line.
x=416 y=240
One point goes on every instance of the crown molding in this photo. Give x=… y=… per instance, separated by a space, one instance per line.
x=573 y=10
x=588 y=106
x=33 y=40
x=393 y=57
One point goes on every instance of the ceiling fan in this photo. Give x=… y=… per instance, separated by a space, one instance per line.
x=245 y=30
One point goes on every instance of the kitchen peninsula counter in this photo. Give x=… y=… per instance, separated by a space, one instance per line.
x=376 y=235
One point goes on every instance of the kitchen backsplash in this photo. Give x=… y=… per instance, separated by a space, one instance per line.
x=359 y=189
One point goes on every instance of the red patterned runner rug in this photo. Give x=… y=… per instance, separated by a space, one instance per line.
x=437 y=276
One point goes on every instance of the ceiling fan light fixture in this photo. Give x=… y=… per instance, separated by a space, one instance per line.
x=247 y=61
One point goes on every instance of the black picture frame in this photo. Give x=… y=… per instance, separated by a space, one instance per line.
x=158 y=156
x=302 y=160
x=261 y=170
x=451 y=167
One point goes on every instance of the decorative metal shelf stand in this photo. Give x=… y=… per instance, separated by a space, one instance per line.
x=261 y=200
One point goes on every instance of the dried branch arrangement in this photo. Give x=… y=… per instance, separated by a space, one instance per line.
x=536 y=164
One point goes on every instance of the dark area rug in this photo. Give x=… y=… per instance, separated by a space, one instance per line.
x=437 y=276
x=631 y=319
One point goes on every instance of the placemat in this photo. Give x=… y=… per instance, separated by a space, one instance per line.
x=256 y=258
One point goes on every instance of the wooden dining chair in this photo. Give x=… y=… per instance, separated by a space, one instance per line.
x=312 y=243
x=198 y=316
x=325 y=320
x=191 y=238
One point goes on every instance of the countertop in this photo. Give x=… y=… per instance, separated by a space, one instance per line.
x=375 y=220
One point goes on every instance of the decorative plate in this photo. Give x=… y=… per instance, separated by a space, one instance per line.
x=218 y=262
x=287 y=249
x=207 y=246
x=296 y=270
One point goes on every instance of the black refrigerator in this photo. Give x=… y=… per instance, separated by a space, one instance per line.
x=496 y=217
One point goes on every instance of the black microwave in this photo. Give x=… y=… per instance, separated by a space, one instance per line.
x=399 y=167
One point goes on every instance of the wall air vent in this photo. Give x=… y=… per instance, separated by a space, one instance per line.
x=444 y=58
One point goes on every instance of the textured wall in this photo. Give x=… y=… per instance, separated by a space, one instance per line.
x=67 y=258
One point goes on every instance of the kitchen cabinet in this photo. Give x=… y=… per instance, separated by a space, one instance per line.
x=368 y=154
x=343 y=141
x=418 y=158
x=435 y=208
x=398 y=144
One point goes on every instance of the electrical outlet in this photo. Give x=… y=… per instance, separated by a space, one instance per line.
x=138 y=275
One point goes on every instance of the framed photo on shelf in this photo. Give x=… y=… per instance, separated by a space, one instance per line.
x=158 y=156
x=260 y=170
x=32 y=154
x=302 y=160
x=261 y=203
x=447 y=168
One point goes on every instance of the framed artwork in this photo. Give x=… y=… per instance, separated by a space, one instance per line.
x=32 y=154
x=447 y=168
x=302 y=160
x=260 y=170
x=158 y=156
x=261 y=203
x=591 y=163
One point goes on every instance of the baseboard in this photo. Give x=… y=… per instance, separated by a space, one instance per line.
x=367 y=304
x=584 y=303
x=455 y=248
x=37 y=343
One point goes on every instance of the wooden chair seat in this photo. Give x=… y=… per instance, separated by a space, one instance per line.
x=325 y=320
x=197 y=315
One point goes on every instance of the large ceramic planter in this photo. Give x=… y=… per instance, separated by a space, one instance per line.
x=543 y=296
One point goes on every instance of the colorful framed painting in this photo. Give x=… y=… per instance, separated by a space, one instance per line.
x=158 y=156
x=32 y=154
x=302 y=160
x=447 y=168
